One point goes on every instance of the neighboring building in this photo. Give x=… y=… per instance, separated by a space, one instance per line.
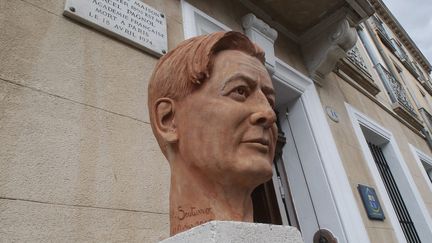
x=78 y=161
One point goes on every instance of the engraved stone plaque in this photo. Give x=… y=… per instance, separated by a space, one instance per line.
x=131 y=21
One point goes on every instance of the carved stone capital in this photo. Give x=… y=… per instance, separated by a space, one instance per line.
x=251 y=21
x=326 y=45
x=263 y=35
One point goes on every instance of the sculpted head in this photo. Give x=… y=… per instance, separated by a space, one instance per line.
x=211 y=106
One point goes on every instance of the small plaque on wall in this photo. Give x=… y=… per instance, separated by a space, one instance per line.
x=131 y=21
x=371 y=203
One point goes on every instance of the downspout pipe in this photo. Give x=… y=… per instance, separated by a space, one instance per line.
x=388 y=62
x=382 y=53
x=375 y=58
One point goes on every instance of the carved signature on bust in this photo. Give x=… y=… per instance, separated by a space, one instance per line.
x=205 y=215
x=183 y=227
x=191 y=212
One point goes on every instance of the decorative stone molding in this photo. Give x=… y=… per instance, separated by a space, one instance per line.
x=351 y=73
x=406 y=114
x=325 y=45
x=263 y=35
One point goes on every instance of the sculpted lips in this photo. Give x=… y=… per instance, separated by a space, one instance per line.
x=261 y=144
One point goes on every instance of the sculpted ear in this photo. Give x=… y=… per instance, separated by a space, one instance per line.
x=164 y=119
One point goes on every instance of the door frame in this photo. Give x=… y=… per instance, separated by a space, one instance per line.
x=335 y=205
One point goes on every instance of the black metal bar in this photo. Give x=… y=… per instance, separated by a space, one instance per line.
x=396 y=199
x=393 y=192
x=390 y=182
x=383 y=169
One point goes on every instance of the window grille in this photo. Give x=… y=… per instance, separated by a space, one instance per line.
x=356 y=58
x=395 y=89
x=396 y=199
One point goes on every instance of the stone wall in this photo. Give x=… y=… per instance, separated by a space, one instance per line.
x=77 y=156
x=335 y=92
x=78 y=161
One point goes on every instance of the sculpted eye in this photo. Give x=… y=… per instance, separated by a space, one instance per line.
x=241 y=90
x=240 y=93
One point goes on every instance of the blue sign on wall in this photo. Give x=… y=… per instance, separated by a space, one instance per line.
x=371 y=203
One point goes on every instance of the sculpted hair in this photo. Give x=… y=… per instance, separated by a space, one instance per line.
x=182 y=70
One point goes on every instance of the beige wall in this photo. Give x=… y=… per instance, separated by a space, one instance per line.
x=77 y=156
x=78 y=159
x=334 y=93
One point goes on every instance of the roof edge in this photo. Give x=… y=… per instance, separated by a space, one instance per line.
x=386 y=15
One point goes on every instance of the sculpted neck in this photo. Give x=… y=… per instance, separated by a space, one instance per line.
x=196 y=199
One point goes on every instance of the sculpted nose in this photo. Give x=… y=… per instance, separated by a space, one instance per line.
x=265 y=118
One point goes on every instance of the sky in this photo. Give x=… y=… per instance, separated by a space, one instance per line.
x=416 y=18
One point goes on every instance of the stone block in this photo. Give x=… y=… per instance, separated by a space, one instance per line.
x=381 y=235
x=229 y=231
x=58 y=151
x=23 y=221
x=55 y=54
x=355 y=165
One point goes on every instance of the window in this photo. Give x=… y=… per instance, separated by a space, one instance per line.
x=396 y=198
x=383 y=33
x=197 y=22
x=392 y=178
x=421 y=76
x=400 y=52
x=395 y=89
x=355 y=68
x=404 y=58
x=428 y=169
x=424 y=162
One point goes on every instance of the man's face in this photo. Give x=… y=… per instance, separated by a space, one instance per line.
x=227 y=128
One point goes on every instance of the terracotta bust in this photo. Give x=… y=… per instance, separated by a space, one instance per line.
x=211 y=106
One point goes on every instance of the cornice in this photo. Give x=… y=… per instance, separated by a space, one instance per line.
x=385 y=14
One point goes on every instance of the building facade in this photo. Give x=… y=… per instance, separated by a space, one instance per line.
x=354 y=103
